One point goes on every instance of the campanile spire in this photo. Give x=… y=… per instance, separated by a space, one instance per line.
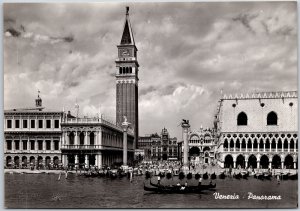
x=127 y=36
x=127 y=68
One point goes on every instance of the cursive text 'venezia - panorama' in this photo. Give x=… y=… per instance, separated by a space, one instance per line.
x=250 y=196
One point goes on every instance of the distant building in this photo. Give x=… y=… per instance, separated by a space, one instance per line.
x=145 y=143
x=258 y=130
x=202 y=146
x=164 y=147
x=32 y=136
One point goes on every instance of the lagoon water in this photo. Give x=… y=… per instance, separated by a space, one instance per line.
x=45 y=191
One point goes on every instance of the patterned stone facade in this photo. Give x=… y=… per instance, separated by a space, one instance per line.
x=202 y=146
x=258 y=130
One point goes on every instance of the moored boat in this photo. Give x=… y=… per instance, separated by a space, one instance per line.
x=293 y=176
x=213 y=176
x=205 y=175
x=222 y=175
x=178 y=188
x=245 y=174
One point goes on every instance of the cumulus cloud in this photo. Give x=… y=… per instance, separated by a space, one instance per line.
x=188 y=53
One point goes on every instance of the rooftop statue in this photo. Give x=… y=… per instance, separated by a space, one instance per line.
x=184 y=121
x=125 y=119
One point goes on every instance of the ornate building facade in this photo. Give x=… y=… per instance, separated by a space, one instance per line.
x=202 y=146
x=127 y=79
x=164 y=147
x=32 y=136
x=258 y=130
x=93 y=141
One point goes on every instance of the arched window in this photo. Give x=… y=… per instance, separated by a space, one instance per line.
x=92 y=138
x=242 y=119
x=71 y=138
x=130 y=70
x=127 y=69
x=225 y=143
x=272 y=118
x=120 y=70
x=81 y=138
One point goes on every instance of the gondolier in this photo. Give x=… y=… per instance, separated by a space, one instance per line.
x=158 y=180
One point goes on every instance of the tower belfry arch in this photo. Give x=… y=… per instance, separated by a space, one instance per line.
x=127 y=68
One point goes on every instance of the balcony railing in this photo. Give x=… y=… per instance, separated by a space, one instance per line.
x=97 y=120
x=81 y=146
x=31 y=151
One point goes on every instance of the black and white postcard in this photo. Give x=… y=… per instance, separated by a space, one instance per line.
x=150 y=105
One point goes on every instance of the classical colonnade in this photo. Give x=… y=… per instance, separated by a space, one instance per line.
x=25 y=160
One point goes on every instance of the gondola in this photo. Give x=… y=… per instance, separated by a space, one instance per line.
x=267 y=175
x=205 y=176
x=245 y=175
x=259 y=175
x=197 y=176
x=222 y=175
x=238 y=176
x=203 y=187
x=213 y=176
x=91 y=174
x=189 y=176
x=285 y=176
x=293 y=176
x=101 y=173
x=147 y=175
x=113 y=174
x=178 y=189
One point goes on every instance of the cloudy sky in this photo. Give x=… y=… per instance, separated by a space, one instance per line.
x=188 y=53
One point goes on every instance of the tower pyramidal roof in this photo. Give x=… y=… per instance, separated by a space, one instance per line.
x=127 y=36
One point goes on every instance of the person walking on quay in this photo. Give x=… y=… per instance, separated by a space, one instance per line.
x=131 y=176
x=278 y=179
x=66 y=174
x=200 y=181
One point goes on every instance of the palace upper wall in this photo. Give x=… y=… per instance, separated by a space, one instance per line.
x=256 y=111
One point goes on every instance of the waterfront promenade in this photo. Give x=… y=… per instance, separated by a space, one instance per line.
x=210 y=170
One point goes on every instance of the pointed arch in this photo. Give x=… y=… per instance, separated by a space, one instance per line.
x=276 y=162
x=264 y=162
x=228 y=161
x=268 y=144
x=288 y=162
x=292 y=144
x=225 y=144
x=252 y=161
x=240 y=161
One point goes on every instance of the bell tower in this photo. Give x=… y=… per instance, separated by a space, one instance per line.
x=127 y=68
